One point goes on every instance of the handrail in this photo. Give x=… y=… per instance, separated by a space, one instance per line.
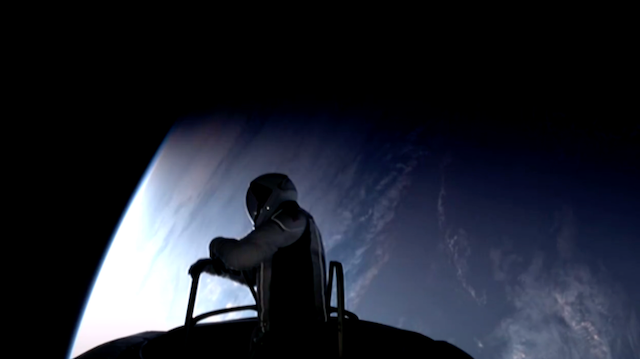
x=340 y=284
x=348 y=314
x=333 y=265
x=190 y=320
x=195 y=278
x=223 y=311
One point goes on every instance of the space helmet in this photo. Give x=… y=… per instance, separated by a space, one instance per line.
x=266 y=193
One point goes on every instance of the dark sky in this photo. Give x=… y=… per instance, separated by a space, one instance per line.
x=578 y=133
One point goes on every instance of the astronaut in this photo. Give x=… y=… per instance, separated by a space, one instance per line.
x=282 y=257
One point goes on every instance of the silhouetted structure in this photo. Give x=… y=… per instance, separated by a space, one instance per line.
x=344 y=335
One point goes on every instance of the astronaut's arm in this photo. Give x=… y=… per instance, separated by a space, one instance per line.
x=246 y=277
x=261 y=244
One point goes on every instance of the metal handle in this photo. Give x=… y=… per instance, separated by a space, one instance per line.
x=223 y=311
x=190 y=321
x=192 y=301
x=340 y=284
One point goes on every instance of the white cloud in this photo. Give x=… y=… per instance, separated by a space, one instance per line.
x=456 y=243
x=357 y=289
x=501 y=263
x=567 y=310
x=388 y=193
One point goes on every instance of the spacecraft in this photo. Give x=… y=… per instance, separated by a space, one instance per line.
x=343 y=336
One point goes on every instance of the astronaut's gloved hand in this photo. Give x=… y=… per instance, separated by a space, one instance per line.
x=202 y=265
x=217 y=267
x=213 y=266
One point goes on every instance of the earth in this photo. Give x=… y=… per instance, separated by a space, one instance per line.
x=506 y=254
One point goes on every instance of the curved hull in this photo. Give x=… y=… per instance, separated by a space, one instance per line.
x=362 y=339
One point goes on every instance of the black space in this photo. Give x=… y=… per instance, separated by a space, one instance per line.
x=97 y=133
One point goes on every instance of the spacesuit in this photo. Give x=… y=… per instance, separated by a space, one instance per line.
x=283 y=257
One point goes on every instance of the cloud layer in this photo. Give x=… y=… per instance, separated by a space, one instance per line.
x=565 y=309
x=456 y=242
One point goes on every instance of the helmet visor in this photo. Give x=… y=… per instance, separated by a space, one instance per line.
x=252 y=206
x=257 y=197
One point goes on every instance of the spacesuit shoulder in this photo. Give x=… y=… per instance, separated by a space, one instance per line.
x=290 y=219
